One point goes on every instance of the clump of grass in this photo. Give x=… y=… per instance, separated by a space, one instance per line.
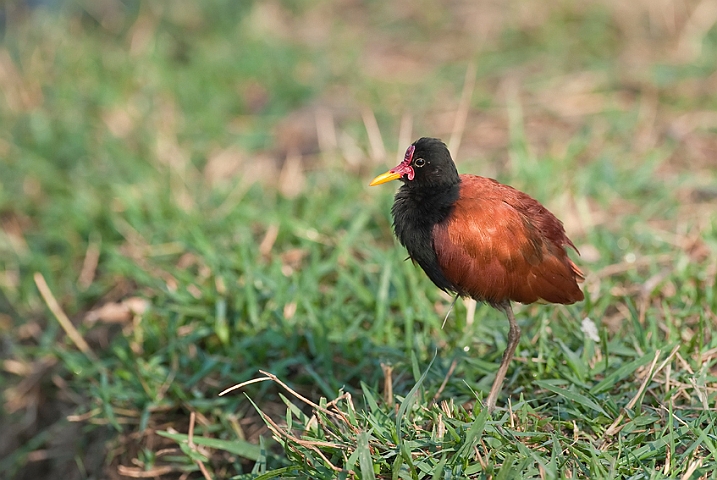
x=567 y=429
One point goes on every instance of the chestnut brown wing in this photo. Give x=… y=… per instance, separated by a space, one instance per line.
x=500 y=244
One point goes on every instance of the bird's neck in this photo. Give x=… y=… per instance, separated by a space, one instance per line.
x=415 y=212
x=427 y=205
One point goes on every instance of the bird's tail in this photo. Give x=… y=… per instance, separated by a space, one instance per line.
x=579 y=275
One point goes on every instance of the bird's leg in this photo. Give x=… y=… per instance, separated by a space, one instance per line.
x=513 y=339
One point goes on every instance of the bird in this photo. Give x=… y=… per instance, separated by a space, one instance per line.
x=476 y=237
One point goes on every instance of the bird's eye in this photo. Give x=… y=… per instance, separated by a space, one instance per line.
x=419 y=162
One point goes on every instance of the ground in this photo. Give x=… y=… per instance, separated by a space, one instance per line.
x=184 y=205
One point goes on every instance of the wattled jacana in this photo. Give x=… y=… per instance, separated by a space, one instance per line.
x=480 y=239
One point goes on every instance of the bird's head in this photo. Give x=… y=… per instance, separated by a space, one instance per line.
x=427 y=164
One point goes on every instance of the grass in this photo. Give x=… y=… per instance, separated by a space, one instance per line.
x=189 y=181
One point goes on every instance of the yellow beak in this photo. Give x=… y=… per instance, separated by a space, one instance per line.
x=383 y=178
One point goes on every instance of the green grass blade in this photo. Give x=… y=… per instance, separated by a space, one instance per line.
x=238 y=447
x=364 y=457
x=572 y=396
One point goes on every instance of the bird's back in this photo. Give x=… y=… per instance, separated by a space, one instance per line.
x=500 y=244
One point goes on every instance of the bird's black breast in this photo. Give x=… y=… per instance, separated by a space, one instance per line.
x=415 y=213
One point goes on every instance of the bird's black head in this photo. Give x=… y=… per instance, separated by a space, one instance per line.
x=426 y=165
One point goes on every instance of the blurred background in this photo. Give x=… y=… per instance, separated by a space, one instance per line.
x=188 y=180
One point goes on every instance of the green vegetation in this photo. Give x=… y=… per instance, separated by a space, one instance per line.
x=189 y=181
